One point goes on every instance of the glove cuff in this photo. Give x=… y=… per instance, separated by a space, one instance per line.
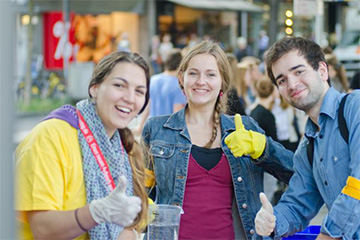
x=95 y=212
x=259 y=144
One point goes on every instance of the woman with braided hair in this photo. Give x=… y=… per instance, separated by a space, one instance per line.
x=193 y=166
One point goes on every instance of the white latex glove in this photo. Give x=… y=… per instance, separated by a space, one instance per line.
x=117 y=207
x=265 y=218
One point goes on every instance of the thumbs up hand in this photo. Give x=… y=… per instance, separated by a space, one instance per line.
x=243 y=142
x=265 y=218
x=117 y=207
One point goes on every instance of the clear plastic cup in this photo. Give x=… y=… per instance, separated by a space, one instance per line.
x=164 y=221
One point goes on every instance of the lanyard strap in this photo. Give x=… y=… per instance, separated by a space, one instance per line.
x=95 y=149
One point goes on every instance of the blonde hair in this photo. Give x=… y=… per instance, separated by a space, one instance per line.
x=241 y=69
x=208 y=47
x=264 y=87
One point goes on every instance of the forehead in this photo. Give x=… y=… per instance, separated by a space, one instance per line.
x=288 y=61
x=131 y=72
x=203 y=61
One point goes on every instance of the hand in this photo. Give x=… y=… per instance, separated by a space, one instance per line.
x=244 y=142
x=117 y=207
x=265 y=219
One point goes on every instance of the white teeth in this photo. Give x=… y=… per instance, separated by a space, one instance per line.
x=200 y=90
x=124 y=109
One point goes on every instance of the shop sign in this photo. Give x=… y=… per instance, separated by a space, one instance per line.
x=56 y=45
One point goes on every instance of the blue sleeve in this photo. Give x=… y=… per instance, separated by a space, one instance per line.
x=276 y=160
x=179 y=97
x=343 y=219
x=301 y=202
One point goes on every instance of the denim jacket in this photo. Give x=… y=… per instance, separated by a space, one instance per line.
x=169 y=143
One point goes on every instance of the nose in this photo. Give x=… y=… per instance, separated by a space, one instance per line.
x=201 y=79
x=129 y=96
x=292 y=82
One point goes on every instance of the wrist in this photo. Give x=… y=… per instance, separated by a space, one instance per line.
x=84 y=219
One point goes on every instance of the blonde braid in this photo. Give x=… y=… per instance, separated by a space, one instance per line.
x=216 y=118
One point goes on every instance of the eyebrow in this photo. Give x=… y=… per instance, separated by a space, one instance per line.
x=215 y=70
x=291 y=69
x=127 y=82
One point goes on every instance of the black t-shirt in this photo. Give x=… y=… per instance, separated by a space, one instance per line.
x=355 y=82
x=205 y=157
x=266 y=120
x=235 y=103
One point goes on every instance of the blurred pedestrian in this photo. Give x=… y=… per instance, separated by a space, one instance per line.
x=195 y=169
x=262 y=111
x=155 y=55
x=327 y=162
x=337 y=73
x=165 y=47
x=79 y=173
x=242 y=49
x=236 y=103
x=166 y=95
x=263 y=43
x=355 y=82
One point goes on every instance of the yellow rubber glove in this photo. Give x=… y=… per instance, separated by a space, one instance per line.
x=243 y=142
x=149 y=178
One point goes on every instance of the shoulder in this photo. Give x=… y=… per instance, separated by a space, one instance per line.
x=51 y=132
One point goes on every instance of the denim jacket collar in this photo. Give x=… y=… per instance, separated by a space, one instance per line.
x=177 y=122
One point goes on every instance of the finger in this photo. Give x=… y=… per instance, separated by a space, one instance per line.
x=238 y=122
x=121 y=187
x=265 y=203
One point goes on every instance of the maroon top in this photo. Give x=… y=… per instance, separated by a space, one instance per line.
x=207 y=202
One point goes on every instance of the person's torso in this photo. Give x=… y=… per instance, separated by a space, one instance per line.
x=170 y=145
x=164 y=93
x=69 y=191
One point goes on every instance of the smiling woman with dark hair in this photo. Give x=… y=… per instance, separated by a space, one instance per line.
x=80 y=169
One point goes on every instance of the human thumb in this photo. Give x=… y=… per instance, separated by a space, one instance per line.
x=238 y=122
x=265 y=203
x=121 y=187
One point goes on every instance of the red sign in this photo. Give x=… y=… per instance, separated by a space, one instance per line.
x=56 y=46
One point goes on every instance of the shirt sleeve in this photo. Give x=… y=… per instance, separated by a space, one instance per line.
x=40 y=171
x=343 y=218
x=301 y=202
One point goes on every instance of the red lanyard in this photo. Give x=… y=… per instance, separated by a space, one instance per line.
x=94 y=146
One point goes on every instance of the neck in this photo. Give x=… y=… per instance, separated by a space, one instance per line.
x=266 y=102
x=314 y=112
x=170 y=73
x=202 y=116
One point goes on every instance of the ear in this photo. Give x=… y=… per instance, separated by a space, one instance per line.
x=181 y=78
x=323 y=71
x=93 y=90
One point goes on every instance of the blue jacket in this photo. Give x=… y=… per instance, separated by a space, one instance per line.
x=169 y=143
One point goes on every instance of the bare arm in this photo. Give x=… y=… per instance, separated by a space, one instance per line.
x=60 y=224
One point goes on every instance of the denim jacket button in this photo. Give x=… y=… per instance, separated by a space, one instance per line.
x=252 y=231
x=244 y=206
x=161 y=152
x=239 y=179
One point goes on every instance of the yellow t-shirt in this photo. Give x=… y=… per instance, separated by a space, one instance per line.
x=49 y=172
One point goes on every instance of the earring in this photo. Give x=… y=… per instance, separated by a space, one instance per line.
x=220 y=93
